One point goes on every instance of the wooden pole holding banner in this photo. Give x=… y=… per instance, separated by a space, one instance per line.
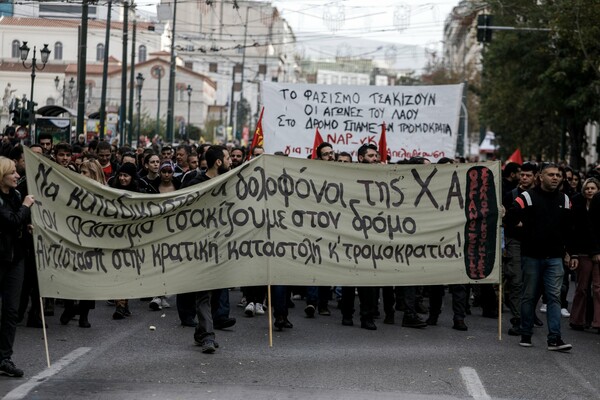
x=270 y=315
x=500 y=307
x=44 y=330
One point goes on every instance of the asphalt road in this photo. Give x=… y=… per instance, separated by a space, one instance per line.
x=317 y=359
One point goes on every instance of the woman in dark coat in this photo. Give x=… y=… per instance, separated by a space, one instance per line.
x=14 y=216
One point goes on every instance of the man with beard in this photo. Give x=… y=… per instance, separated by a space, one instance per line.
x=218 y=162
x=238 y=156
x=367 y=154
x=317 y=297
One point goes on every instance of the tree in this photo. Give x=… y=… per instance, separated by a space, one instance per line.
x=243 y=114
x=540 y=87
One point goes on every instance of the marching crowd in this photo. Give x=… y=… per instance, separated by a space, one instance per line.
x=549 y=235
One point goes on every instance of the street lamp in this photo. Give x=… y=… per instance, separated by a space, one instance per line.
x=139 y=84
x=157 y=72
x=64 y=90
x=189 y=92
x=44 y=53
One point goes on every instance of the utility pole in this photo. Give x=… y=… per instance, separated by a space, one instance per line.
x=123 y=113
x=131 y=80
x=81 y=68
x=171 y=98
x=243 y=68
x=104 y=73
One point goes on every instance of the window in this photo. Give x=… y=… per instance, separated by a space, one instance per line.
x=16 y=53
x=213 y=67
x=58 y=47
x=100 y=52
x=142 y=53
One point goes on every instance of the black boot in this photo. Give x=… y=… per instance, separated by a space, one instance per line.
x=68 y=314
x=83 y=318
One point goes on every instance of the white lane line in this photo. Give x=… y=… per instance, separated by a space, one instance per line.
x=20 y=392
x=473 y=383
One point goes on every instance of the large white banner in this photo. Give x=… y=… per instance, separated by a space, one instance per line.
x=420 y=120
x=275 y=220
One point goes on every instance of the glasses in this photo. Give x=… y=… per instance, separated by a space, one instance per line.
x=326 y=153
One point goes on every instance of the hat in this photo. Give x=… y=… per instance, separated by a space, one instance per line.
x=129 y=169
x=166 y=164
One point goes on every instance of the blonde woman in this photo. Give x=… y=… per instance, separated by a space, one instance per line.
x=90 y=168
x=14 y=216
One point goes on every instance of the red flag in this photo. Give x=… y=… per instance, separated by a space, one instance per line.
x=258 y=138
x=383 y=149
x=317 y=142
x=515 y=157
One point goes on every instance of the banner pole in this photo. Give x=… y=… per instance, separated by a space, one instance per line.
x=44 y=330
x=500 y=309
x=270 y=316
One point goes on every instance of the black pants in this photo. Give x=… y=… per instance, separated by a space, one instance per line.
x=11 y=282
x=367 y=302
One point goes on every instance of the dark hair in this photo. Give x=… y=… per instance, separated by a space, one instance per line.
x=238 y=148
x=344 y=154
x=63 y=146
x=445 y=160
x=36 y=145
x=214 y=153
x=16 y=153
x=103 y=145
x=256 y=147
x=417 y=160
x=186 y=147
x=320 y=147
x=362 y=150
x=529 y=166
x=43 y=136
x=148 y=156
x=510 y=168
x=546 y=165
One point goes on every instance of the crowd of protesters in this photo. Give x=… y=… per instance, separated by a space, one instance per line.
x=548 y=225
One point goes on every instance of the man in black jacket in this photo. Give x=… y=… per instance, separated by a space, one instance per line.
x=219 y=162
x=544 y=213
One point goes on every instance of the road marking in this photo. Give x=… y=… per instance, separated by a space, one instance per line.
x=473 y=383
x=20 y=392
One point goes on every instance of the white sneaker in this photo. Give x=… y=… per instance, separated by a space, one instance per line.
x=258 y=309
x=155 y=304
x=544 y=308
x=164 y=303
x=242 y=303
x=565 y=313
x=249 y=311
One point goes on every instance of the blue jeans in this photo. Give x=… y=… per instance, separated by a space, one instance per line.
x=549 y=272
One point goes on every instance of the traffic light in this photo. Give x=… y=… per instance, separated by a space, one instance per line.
x=484 y=33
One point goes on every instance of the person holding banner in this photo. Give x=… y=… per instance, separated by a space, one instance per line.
x=125 y=179
x=15 y=214
x=367 y=154
x=218 y=162
x=90 y=168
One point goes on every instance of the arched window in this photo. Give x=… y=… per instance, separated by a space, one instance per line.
x=58 y=47
x=16 y=53
x=100 y=52
x=142 y=53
